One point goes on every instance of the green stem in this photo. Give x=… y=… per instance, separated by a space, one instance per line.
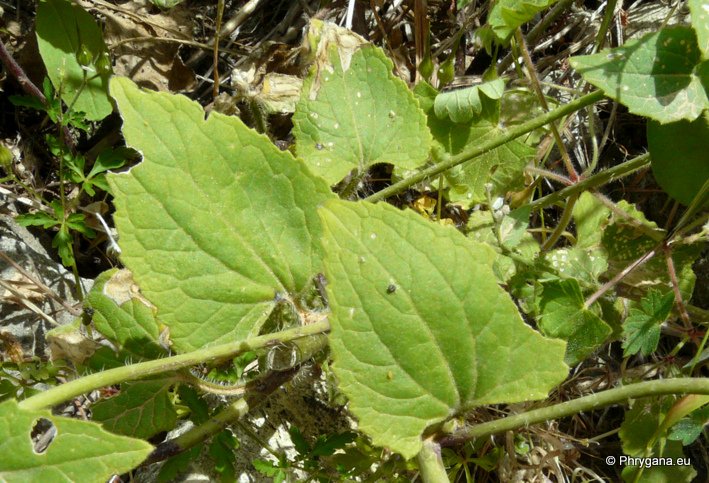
x=431 y=464
x=255 y=392
x=587 y=403
x=532 y=73
x=597 y=179
x=217 y=422
x=91 y=382
x=480 y=149
x=605 y=25
x=563 y=223
x=537 y=31
x=351 y=188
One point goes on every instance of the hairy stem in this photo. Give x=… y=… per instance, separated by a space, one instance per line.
x=97 y=380
x=587 y=403
x=591 y=182
x=431 y=464
x=255 y=392
x=480 y=149
x=532 y=73
x=563 y=223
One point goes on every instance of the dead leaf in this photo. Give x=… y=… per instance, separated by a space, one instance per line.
x=147 y=60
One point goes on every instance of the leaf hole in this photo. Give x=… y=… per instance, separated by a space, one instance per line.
x=42 y=434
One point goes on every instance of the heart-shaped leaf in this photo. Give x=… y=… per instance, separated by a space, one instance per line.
x=216 y=220
x=420 y=328
x=657 y=76
x=357 y=115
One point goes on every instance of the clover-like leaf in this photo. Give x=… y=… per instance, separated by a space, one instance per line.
x=420 y=328
x=79 y=451
x=357 y=115
x=680 y=168
x=71 y=44
x=142 y=409
x=657 y=76
x=564 y=316
x=507 y=15
x=216 y=220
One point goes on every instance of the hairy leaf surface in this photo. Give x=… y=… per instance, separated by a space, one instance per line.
x=420 y=328
x=141 y=410
x=216 y=220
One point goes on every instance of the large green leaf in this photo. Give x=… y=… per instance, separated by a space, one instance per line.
x=357 y=115
x=657 y=76
x=420 y=328
x=679 y=156
x=65 y=32
x=141 y=410
x=80 y=450
x=507 y=15
x=215 y=222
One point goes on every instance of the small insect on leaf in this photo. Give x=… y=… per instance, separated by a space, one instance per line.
x=391 y=288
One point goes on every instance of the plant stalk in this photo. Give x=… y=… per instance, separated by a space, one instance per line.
x=85 y=384
x=431 y=464
x=478 y=150
x=532 y=73
x=598 y=179
x=587 y=403
x=254 y=392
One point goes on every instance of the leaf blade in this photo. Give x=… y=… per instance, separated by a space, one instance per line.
x=80 y=451
x=216 y=220
x=412 y=355
x=355 y=117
